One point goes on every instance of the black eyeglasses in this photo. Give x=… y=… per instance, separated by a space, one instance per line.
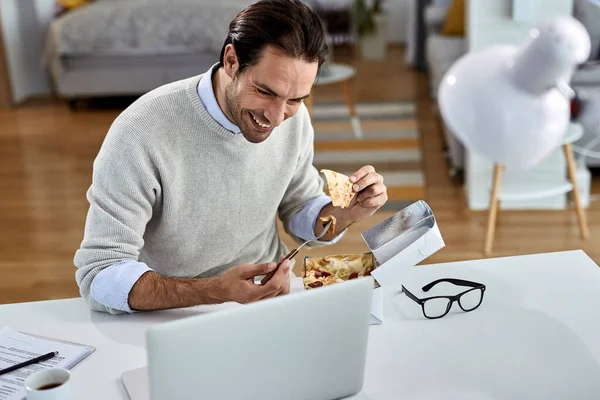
x=438 y=306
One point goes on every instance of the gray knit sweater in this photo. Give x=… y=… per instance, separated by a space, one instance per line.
x=177 y=191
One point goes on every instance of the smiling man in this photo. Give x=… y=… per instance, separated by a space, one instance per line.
x=191 y=178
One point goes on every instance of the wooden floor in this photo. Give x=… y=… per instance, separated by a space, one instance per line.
x=46 y=155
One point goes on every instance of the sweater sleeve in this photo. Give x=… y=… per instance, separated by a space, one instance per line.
x=306 y=186
x=124 y=190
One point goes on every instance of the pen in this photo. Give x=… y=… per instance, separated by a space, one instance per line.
x=29 y=362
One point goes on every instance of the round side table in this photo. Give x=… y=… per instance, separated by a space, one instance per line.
x=340 y=74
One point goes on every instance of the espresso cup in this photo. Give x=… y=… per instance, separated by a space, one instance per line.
x=49 y=384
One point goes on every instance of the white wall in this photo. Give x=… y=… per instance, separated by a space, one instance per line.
x=490 y=21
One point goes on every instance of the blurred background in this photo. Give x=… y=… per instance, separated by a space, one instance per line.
x=69 y=67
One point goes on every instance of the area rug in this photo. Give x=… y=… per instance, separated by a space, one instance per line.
x=390 y=143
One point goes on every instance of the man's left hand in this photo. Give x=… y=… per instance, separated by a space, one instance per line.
x=371 y=194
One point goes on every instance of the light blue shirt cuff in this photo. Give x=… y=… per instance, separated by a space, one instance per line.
x=112 y=285
x=302 y=223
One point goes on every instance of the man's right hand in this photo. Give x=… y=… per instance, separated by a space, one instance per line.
x=156 y=292
x=237 y=283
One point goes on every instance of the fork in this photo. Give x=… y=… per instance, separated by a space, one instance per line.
x=294 y=252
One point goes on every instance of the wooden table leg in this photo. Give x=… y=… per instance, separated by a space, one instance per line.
x=571 y=168
x=494 y=208
x=353 y=115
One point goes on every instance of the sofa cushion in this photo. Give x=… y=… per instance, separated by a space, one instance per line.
x=442 y=51
x=142 y=26
x=435 y=18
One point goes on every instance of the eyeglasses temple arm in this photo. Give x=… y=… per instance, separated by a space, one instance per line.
x=410 y=295
x=459 y=282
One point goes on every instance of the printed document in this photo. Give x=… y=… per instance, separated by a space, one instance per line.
x=16 y=347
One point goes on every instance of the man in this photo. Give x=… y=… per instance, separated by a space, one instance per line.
x=191 y=178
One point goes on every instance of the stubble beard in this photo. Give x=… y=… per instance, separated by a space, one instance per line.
x=234 y=113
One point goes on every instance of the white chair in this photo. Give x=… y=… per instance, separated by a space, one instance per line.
x=537 y=189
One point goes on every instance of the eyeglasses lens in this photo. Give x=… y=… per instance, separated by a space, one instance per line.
x=471 y=299
x=434 y=308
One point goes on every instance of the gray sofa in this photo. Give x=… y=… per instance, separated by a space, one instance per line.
x=129 y=47
x=442 y=51
x=86 y=76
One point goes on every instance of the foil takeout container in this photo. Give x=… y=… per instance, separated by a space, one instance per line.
x=308 y=260
x=403 y=240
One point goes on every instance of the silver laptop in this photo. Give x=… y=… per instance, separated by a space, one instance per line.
x=307 y=345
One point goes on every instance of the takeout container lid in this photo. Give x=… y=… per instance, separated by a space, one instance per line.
x=403 y=240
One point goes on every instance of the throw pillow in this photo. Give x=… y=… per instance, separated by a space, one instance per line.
x=64 y=6
x=455 y=19
x=71 y=4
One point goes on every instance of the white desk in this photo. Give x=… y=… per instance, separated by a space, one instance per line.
x=535 y=336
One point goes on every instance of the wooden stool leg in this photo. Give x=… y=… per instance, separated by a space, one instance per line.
x=494 y=208
x=571 y=168
x=309 y=104
x=353 y=116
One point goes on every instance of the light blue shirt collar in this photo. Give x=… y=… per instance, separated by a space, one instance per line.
x=207 y=96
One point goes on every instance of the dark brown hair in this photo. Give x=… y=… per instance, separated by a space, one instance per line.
x=289 y=26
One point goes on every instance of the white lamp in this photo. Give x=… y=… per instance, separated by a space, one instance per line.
x=511 y=103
